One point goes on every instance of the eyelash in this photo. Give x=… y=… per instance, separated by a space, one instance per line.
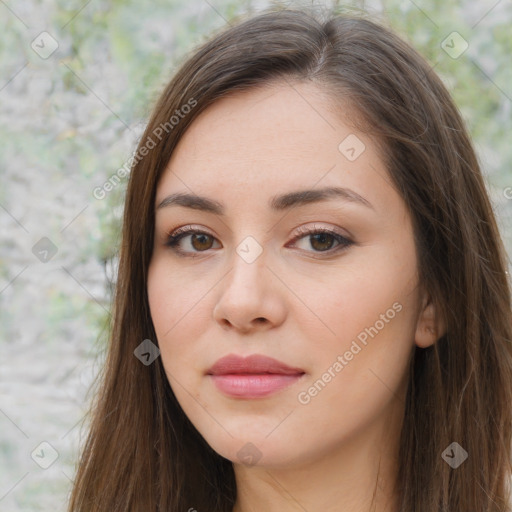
x=175 y=237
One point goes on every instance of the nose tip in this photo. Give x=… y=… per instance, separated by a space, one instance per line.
x=248 y=299
x=245 y=328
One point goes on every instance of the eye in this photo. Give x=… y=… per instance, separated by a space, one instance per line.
x=199 y=241
x=321 y=239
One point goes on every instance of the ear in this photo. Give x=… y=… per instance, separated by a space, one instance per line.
x=430 y=325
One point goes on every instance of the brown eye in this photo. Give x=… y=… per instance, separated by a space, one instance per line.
x=199 y=241
x=322 y=241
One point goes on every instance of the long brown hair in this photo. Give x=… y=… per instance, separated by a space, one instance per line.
x=143 y=454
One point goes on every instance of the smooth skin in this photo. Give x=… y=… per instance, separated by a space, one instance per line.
x=303 y=300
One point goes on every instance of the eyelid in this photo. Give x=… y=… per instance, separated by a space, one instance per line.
x=191 y=228
x=306 y=230
x=301 y=230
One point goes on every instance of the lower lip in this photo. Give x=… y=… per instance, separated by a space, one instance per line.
x=253 y=386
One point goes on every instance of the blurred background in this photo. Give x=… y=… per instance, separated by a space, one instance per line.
x=78 y=80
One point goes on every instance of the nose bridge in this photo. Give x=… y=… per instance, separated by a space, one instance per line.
x=247 y=296
x=248 y=263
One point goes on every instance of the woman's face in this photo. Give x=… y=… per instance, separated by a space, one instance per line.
x=342 y=308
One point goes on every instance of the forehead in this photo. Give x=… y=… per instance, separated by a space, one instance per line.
x=275 y=122
x=260 y=141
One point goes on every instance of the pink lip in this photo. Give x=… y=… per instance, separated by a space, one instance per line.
x=253 y=364
x=252 y=377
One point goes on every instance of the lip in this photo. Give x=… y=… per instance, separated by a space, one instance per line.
x=254 y=376
x=253 y=364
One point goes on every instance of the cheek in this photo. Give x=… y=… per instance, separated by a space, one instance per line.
x=363 y=293
x=178 y=310
x=359 y=375
x=173 y=299
x=370 y=316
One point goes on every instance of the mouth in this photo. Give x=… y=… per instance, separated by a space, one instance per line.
x=255 y=376
x=253 y=385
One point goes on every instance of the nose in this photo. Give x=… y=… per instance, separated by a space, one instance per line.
x=250 y=297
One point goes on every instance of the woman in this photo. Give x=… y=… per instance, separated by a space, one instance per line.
x=312 y=310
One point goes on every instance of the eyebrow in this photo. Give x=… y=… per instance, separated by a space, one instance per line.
x=277 y=203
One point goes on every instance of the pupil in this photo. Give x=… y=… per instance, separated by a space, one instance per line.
x=197 y=237
x=321 y=237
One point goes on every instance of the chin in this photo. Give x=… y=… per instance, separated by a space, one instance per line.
x=255 y=449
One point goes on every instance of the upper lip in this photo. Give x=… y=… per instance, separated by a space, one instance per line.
x=253 y=364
